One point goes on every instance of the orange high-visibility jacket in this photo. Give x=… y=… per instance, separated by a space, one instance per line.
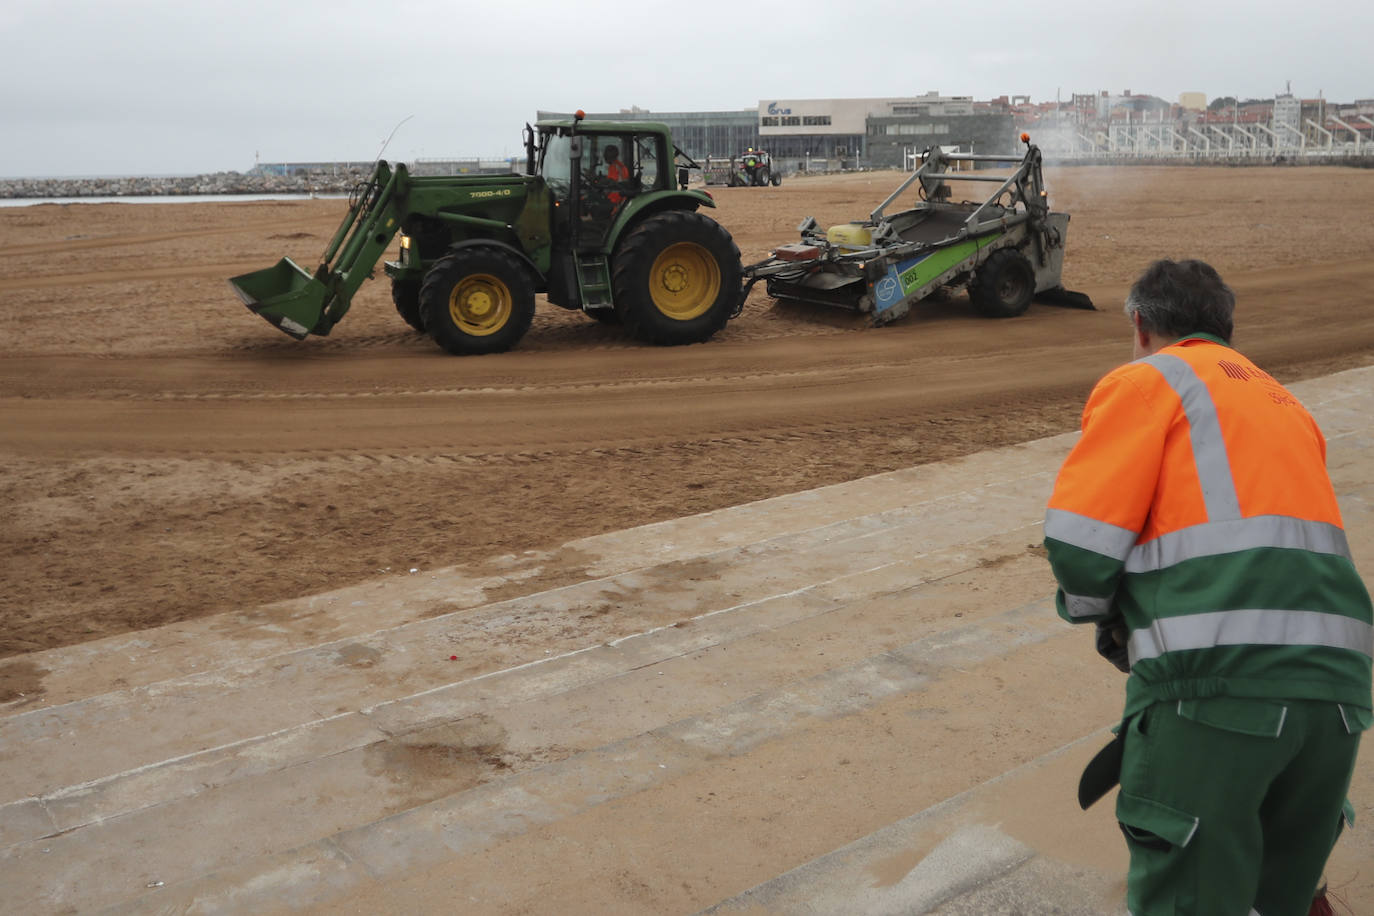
x=617 y=171
x=1197 y=507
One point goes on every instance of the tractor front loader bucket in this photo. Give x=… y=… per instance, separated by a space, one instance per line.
x=301 y=303
x=285 y=295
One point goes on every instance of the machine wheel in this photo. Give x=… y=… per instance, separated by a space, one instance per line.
x=676 y=277
x=406 y=295
x=477 y=300
x=775 y=178
x=1004 y=285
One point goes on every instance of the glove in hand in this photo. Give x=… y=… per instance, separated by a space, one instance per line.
x=1111 y=643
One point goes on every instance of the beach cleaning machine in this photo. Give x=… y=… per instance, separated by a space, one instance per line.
x=1007 y=248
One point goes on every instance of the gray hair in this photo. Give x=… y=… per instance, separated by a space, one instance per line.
x=1178 y=298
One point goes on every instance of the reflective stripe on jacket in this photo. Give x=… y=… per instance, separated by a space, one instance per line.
x=1197 y=506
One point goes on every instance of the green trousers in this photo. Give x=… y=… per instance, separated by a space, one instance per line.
x=1231 y=806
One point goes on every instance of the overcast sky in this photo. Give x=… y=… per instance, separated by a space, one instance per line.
x=124 y=87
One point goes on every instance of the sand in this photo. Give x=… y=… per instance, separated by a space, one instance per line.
x=167 y=455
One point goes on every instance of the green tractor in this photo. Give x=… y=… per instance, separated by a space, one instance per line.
x=601 y=221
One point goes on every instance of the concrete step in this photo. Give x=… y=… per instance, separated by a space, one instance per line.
x=253 y=700
x=578 y=707
x=956 y=859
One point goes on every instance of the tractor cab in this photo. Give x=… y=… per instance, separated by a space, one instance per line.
x=594 y=173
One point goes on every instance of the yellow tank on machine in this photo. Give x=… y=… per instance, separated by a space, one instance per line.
x=854 y=236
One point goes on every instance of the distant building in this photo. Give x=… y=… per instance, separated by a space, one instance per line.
x=699 y=134
x=1192 y=101
x=1288 y=121
x=828 y=133
x=815 y=128
x=892 y=138
x=843 y=130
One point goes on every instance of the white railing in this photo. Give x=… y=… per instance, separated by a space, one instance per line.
x=1210 y=142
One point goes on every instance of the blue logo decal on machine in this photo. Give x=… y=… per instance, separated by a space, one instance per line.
x=889 y=289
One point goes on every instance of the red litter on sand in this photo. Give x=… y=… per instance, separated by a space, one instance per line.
x=453 y=658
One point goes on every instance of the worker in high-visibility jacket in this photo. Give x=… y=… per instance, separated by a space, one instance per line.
x=616 y=172
x=1195 y=524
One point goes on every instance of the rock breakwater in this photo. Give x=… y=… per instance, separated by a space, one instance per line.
x=218 y=183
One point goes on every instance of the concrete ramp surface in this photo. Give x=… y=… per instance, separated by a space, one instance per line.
x=856 y=699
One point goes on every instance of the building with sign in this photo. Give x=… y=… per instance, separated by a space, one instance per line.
x=868 y=131
x=820 y=129
x=827 y=133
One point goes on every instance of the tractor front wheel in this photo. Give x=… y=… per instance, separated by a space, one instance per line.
x=477 y=300
x=676 y=278
x=406 y=295
x=1004 y=285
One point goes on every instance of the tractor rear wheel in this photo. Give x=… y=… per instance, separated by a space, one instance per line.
x=1004 y=285
x=406 y=295
x=676 y=278
x=477 y=300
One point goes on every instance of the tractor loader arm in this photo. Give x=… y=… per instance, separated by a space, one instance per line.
x=301 y=303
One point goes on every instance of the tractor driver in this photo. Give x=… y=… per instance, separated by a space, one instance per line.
x=616 y=171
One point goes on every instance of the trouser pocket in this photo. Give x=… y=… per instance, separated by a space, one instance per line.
x=1154 y=825
x=1162 y=876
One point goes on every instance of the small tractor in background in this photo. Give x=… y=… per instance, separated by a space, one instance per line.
x=1007 y=248
x=601 y=220
x=753 y=169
